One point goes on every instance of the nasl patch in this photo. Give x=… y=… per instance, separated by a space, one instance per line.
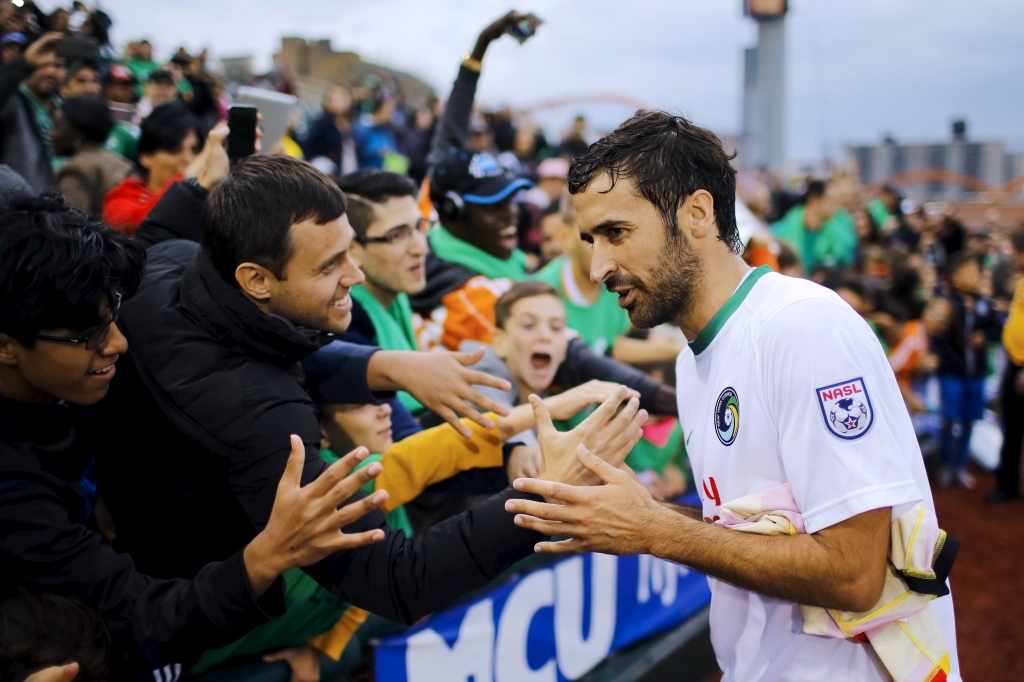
x=846 y=408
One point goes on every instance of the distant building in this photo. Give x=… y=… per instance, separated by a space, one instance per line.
x=950 y=171
x=316 y=66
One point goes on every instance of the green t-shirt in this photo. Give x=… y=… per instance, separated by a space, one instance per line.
x=598 y=323
x=447 y=246
x=831 y=246
x=393 y=326
x=648 y=456
x=141 y=70
x=124 y=140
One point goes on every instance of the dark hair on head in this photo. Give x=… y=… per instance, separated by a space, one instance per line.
x=57 y=265
x=368 y=186
x=83 y=63
x=166 y=128
x=90 y=115
x=43 y=630
x=815 y=190
x=960 y=259
x=1017 y=240
x=519 y=291
x=248 y=217
x=668 y=158
x=161 y=76
x=839 y=280
x=788 y=257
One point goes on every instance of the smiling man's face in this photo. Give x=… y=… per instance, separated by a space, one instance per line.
x=314 y=289
x=656 y=275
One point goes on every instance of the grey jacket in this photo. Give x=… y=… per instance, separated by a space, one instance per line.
x=21 y=142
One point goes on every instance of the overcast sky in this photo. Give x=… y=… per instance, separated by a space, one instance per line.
x=856 y=68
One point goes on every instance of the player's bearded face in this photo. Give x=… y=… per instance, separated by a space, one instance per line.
x=671 y=287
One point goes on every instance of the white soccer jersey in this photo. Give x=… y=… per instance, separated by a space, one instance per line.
x=788 y=384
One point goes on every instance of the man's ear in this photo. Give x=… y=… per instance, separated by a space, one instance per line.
x=9 y=348
x=698 y=211
x=255 y=281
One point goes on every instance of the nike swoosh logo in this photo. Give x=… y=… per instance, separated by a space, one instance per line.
x=688 y=438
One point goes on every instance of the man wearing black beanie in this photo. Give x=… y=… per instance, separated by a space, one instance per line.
x=80 y=128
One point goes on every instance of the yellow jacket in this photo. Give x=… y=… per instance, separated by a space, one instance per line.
x=1013 y=331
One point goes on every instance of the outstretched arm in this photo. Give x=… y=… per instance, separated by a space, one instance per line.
x=453 y=127
x=842 y=566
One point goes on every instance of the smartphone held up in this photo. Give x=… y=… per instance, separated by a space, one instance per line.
x=242 y=122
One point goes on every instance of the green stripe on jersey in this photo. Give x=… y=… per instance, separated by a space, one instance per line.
x=708 y=334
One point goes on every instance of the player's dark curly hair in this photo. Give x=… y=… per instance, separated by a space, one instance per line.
x=668 y=158
x=58 y=265
x=44 y=630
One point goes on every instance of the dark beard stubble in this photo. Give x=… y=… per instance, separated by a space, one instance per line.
x=673 y=288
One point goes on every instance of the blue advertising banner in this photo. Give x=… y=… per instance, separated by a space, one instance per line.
x=552 y=624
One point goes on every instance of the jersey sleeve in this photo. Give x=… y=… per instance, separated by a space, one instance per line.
x=841 y=420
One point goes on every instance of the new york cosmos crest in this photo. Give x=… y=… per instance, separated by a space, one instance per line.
x=727 y=416
x=846 y=408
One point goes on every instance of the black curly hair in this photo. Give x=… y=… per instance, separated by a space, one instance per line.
x=58 y=265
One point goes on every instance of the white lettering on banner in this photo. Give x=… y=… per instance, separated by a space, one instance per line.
x=534 y=592
x=576 y=654
x=658 y=576
x=429 y=659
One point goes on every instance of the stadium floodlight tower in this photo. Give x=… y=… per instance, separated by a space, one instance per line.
x=763 y=142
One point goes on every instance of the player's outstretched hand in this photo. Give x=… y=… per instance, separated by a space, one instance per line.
x=305 y=523
x=613 y=518
x=442 y=382
x=606 y=434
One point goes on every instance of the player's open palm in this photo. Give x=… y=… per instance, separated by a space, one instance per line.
x=607 y=435
x=305 y=523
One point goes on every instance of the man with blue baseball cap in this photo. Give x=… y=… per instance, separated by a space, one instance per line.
x=473 y=257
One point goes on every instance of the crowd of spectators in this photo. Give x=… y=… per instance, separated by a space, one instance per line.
x=156 y=534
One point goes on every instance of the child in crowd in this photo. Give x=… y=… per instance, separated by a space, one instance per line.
x=962 y=352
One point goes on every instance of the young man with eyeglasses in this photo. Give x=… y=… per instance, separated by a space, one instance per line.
x=390 y=247
x=62 y=279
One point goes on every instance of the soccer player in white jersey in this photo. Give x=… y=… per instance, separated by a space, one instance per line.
x=782 y=382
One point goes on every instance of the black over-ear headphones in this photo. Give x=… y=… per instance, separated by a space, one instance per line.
x=452 y=207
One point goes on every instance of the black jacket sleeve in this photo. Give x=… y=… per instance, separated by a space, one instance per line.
x=453 y=127
x=153 y=621
x=404 y=578
x=11 y=75
x=178 y=215
x=582 y=364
